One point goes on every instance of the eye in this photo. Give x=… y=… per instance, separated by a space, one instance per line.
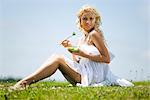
x=91 y=18
x=84 y=18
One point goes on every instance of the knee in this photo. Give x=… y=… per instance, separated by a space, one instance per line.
x=57 y=58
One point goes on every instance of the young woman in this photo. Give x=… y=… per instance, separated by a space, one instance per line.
x=91 y=58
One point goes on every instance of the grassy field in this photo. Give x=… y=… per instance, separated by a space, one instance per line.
x=62 y=91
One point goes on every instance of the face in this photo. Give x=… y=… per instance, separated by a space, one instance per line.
x=87 y=21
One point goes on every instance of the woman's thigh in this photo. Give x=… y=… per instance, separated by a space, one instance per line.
x=67 y=69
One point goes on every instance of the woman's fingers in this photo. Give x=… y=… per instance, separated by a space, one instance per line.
x=66 y=43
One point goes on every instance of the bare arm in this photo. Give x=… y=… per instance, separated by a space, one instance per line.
x=98 y=41
x=103 y=52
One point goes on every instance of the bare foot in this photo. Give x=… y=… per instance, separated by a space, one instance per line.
x=21 y=85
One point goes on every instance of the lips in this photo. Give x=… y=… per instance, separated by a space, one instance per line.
x=88 y=26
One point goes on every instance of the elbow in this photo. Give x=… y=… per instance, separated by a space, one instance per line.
x=107 y=60
x=104 y=59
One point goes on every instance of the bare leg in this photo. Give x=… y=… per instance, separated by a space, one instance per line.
x=48 y=68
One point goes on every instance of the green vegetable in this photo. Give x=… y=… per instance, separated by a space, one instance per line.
x=73 y=33
x=73 y=49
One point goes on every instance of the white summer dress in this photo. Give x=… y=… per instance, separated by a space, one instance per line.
x=95 y=73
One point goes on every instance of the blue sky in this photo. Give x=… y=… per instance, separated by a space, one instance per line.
x=30 y=31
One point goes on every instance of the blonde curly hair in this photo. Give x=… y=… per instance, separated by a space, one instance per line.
x=87 y=8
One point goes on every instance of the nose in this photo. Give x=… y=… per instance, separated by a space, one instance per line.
x=88 y=22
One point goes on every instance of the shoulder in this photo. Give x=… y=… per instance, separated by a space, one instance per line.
x=95 y=35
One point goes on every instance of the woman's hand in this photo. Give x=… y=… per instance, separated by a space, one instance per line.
x=66 y=43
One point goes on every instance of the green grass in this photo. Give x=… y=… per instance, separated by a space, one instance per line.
x=62 y=91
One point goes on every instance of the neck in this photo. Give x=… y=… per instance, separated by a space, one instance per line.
x=87 y=32
x=91 y=30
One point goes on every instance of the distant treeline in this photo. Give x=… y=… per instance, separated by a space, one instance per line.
x=9 y=79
